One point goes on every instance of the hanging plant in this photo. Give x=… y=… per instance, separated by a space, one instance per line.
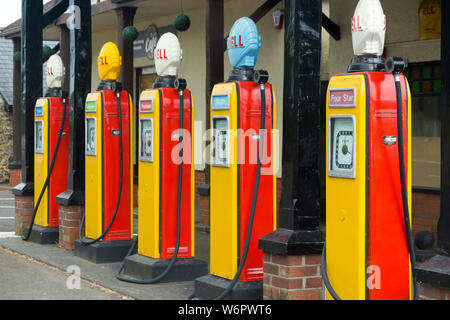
x=17 y=56
x=130 y=33
x=46 y=52
x=181 y=22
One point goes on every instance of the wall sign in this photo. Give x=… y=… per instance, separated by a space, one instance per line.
x=145 y=44
x=429 y=19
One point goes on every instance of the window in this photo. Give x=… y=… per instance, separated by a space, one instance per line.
x=425 y=83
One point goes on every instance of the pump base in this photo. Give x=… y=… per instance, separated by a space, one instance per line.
x=103 y=251
x=44 y=235
x=210 y=287
x=144 y=268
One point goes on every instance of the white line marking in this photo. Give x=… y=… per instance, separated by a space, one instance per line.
x=7 y=207
x=7 y=199
x=6 y=218
x=8 y=235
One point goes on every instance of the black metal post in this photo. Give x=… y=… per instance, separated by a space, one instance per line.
x=443 y=229
x=32 y=17
x=80 y=86
x=125 y=18
x=299 y=211
x=64 y=52
x=214 y=58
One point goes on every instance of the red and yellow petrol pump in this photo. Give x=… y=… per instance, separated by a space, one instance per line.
x=51 y=151
x=166 y=176
x=369 y=251
x=243 y=172
x=108 y=156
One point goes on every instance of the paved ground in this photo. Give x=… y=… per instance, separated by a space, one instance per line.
x=21 y=278
x=6 y=210
x=32 y=271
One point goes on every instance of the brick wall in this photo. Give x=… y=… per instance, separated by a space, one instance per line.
x=23 y=212
x=204 y=216
x=425 y=212
x=69 y=225
x=292 y=277
x=15 y=177
x=135 y=195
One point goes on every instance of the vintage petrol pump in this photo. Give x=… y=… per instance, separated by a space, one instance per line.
x=108 y=155
x=166 y=177
x=369 y=250
x=243 y=172
x=51 y=152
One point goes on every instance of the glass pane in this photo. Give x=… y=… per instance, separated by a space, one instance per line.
x=415 y=72
x=426 y=72
x=437 y=86
x=415 y=88
x=426 y=128
x=436 y=71
x=426 y=87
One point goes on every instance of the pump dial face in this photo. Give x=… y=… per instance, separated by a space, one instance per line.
x=146 y=146
x=39 y=136
x=342 y=147
x=220 y=142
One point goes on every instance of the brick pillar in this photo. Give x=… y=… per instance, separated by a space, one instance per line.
x=15 y=176
x=69 y=225
x=23 y=212
x=292 y=277
x=202 y=197
x=135 y=195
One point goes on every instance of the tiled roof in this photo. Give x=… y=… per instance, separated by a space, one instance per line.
x=6 y=69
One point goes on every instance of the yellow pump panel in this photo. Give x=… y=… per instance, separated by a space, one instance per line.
x=224 y=224
x=148 y=193
x=41 y=161
x=149 y=182
x=346 y=228
x=94 y=170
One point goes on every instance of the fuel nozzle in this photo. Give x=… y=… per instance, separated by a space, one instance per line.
x=261 y=76
x=395 y=65
x=180 y=84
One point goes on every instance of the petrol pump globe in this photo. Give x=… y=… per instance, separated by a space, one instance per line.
x=368 y=28
x=55 y=72
x=109 y=62
x=243 y=44
x=168 y=55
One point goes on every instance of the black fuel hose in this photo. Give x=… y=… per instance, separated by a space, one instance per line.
x=50 y=170
x=83 y=240
x=401 y=157
x=261 y=77
x=180 y=85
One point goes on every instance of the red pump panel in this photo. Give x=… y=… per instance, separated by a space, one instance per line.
x=387 y=246
x=249 y=124
x=169 y=151
x=58 y=179
x=121 y=228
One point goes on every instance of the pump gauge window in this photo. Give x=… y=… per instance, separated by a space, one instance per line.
x=39 y=136
x=146 y=144
x=220 y=142
x=341 y=147
x=91 y=137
